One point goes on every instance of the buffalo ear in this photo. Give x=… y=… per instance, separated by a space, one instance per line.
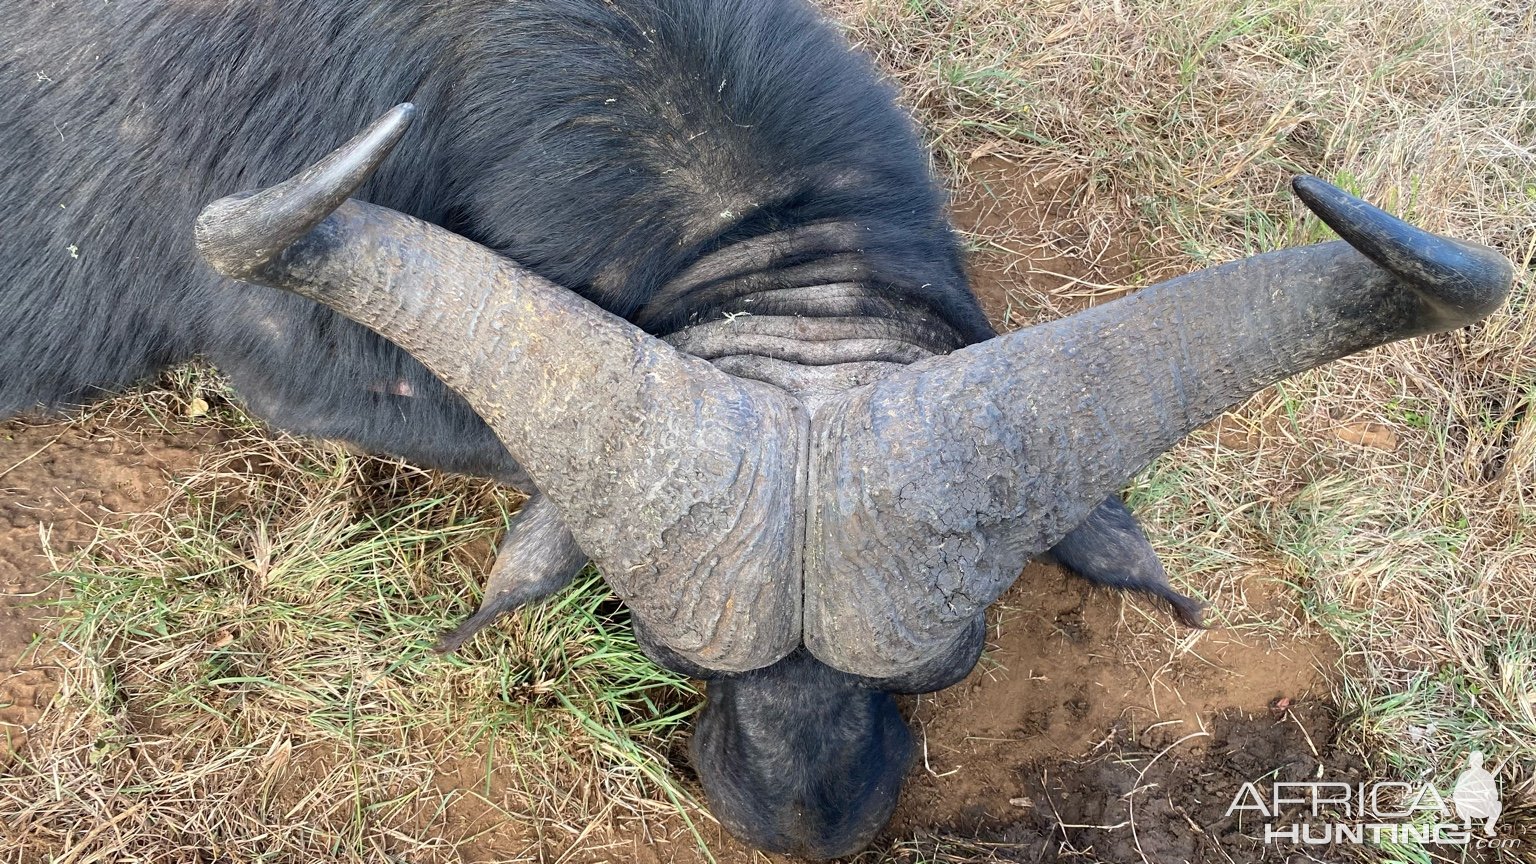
x=537 y=558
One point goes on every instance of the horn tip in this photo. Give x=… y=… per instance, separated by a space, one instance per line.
x=1466 y=281
x=399 y=117
x=240 y=234
x=1325 y=199
x=383 y=134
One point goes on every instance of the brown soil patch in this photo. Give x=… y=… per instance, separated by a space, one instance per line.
x=1040 y=748
x=1037 y=256
x=1143 y=800
x=58 y=481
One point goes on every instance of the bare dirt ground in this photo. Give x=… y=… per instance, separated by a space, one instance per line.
x=57 y=481
x=1093 y=730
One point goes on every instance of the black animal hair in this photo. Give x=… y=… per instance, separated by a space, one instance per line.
x=606 y=145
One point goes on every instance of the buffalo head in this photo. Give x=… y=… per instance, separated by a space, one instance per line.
x=813 y=546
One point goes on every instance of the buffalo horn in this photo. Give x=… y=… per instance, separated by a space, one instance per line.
x=934 y=486
x=677 y=479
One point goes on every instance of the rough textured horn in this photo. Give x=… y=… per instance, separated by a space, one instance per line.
x=677 y=479
x=933 y=487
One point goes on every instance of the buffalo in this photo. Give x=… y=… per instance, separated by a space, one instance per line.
x=678 y=270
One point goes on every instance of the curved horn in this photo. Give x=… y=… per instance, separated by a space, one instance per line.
x=933 y=487
x=677 y=479
x=241 y=234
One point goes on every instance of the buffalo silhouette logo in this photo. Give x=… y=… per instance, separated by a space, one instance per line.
x=1476 y=795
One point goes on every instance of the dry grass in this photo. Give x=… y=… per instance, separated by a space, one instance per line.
x=250 y=663
x=250 y=666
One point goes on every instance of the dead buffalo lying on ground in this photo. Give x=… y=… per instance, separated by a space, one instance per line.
x=690 y=268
